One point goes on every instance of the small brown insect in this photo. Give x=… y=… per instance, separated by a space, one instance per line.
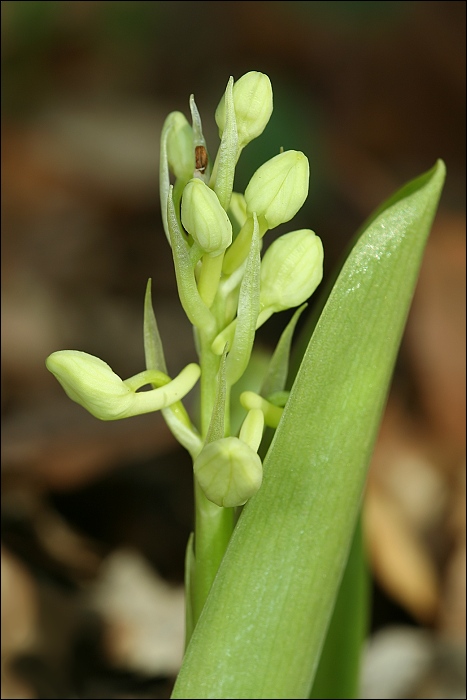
x=201 y=158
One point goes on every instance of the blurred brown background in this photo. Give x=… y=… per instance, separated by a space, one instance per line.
x=96 y=516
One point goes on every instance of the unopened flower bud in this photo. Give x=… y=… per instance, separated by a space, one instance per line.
x=252 y=97
x=278 y=188
x=90 y=382
x=291 y=269
x=180 y=148
x=204 y=218
x=228 y=471
x=253 y=402
x=251 y=431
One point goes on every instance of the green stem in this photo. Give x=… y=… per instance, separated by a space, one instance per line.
x=209 y=277
x=209 y=363
x=213 y=525
x=213 y=528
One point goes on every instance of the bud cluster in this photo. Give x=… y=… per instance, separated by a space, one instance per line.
x=225 y=288
x=221 y=231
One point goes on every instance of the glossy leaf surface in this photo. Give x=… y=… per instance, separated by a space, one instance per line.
x=262 y=628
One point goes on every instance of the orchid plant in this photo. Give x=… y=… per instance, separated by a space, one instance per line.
x=275 y=585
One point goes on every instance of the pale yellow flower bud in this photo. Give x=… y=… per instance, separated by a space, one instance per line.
x=228 y=471
x=180 y=146
x=278 y=188
x=204 y=218
x=291 y=269
x=252 y=97
x=254 y=402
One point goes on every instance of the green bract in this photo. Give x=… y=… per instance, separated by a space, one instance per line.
x=228 y=471
x=204 y=218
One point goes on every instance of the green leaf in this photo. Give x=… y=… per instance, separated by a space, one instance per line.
x=347 y=630
x=263 y=626
x=190 y=569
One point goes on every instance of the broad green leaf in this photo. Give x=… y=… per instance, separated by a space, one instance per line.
x=262 y=629
x=347 y=630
